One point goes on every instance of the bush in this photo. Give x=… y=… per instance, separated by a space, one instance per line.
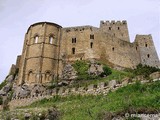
x=145 y=70
x=1 y=100
x=107 y=70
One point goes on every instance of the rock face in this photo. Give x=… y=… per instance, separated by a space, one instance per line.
x=25 y=91
x=37 y=89
x=69 y=73
x=95 y=69
x=9 y=81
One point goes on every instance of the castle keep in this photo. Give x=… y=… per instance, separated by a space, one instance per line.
x=48 y=47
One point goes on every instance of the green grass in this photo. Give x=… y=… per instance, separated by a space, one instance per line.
x=116 y=75
x=136 y=97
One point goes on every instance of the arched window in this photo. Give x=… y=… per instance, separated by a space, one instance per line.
x=36 y=39
x=51 y=39
x=30 y=75
x=48 y=76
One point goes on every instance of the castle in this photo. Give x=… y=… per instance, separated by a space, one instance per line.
x=48 y=47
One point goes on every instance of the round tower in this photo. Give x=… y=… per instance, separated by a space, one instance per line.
x=40 y=56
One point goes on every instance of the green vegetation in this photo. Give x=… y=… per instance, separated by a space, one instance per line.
x=143 y=70
x=107 y=71
x=132 y=98
x=82 y=71
x=116 y=75
x=3 y=84
x=81 y=67
x=1 y=100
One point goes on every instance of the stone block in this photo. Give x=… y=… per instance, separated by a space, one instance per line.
x=91 y=87
x=102 y=85
x=80 y=89
x=112 y=83
x=124 y=83
x=155 y=75
x=61 y=91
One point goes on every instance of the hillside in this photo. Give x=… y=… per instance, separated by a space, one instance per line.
x=136 y=98
x=139 y=95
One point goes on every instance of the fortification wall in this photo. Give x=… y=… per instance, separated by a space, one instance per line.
x=80 y=42
x=40 y=54
x=118 y=52
x=118 y=29
x=148 y=54
x=47 y=47
x=101 y=88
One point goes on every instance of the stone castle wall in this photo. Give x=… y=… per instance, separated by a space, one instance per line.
x=39 y=61
x=48 y=47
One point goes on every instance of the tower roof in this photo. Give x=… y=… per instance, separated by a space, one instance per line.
x=44 y=23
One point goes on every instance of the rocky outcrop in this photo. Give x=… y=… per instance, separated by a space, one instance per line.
x=95 y=69
x=69 y=73
x=25 y=91
x=9 y=81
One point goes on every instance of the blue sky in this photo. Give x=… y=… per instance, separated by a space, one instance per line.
x=17 y=15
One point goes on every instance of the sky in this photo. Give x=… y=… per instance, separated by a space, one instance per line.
x=143 y=17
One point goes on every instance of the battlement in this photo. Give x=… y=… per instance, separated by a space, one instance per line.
x=113 y=22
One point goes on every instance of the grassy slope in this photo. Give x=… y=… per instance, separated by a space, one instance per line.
x=116 y=75
x=78 y=107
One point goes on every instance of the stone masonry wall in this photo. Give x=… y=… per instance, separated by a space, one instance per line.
x=48 y=47
x=101 y=88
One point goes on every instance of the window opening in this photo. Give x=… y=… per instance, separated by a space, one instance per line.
x=36 y=39
x=73 y=50
x=91 y=36
x=91 y=44
x=50 y=39
x=113 y=49
x=73 y=40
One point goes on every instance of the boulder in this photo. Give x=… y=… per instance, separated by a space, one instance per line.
x=27 y=116
x=95 y=69
x=21 y=92
x=24 y=93
x=7 y=87
x=37 y=89
x=69 y=73
x=53 y=114
x=112 y=84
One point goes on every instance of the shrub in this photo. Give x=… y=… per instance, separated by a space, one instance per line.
x=145 y=70
x=1 y=100
x=107 y=70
